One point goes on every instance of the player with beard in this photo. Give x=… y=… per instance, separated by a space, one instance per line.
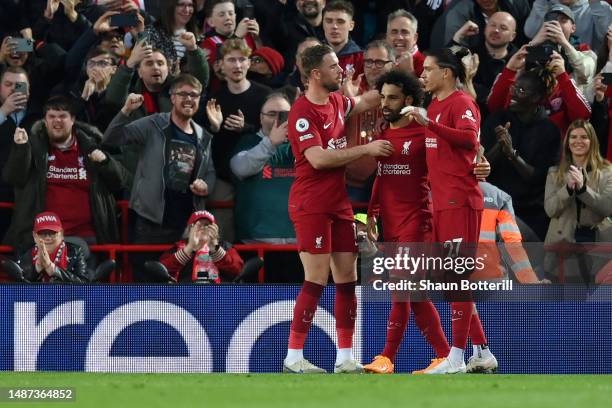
x=174 y=173
x=453 y=124
x=319 y=206
x=401 y=197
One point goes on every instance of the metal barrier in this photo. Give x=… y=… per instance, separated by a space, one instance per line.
x=123 y=274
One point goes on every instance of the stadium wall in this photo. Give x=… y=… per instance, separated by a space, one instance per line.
x=243 y=328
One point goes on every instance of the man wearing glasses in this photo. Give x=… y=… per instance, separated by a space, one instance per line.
x=175 y=171
x=264 y=166
x=360 y=129
x=89 y=94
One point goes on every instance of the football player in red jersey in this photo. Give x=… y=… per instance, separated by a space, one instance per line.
x=453 y=122
x=401 y=197
x=319 y=206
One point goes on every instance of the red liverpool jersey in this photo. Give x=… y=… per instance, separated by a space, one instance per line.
x=401 y=190
x=318 y=191
x=452 y=146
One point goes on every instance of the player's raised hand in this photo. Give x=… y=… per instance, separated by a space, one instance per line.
x=20 y=136
x=351 y=85
x=380 y=148
x=214 y=114
x=419 y=115
x=133 y=102
x=471 y=63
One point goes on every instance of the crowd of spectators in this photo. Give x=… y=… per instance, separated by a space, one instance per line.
x=173 y=103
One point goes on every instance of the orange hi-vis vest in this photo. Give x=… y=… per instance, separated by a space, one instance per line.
x=499 y=225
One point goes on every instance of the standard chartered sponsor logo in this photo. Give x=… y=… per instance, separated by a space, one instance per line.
x=396 y=169
x=66 y=173
x=431 y=142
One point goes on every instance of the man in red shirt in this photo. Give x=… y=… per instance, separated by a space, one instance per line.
x=57 y=166
x=319 y=206
x=453 y=121
x=401 y=197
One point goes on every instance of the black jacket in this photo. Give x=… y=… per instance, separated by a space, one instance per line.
x=75 y=271
x=26 y=170
x=488 y=69
x=537 y=143
x=289 y=29
x=460 y=11
x=7 y=132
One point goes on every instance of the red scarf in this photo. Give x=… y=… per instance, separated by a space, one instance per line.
x=150 y=101
x=59 y=256
x=203 y=269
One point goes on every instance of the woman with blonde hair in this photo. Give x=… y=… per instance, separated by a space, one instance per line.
x=578 y=195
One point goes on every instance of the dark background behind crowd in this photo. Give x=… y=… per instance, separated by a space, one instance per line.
x=171 y=104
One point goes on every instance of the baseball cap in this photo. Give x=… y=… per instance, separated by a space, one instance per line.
x=560 y=9
x=47 y=221
x=198 y=215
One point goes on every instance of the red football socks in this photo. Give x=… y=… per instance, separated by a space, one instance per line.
x=476 y=331
x=303 y=313
x=461 y=317
x=427 y=319
x=345 y=311
x=396 y=326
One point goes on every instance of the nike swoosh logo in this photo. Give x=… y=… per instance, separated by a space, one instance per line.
x=326 y=125
x=456 y=318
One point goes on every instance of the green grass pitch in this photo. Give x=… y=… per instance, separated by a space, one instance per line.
x=278 y=390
